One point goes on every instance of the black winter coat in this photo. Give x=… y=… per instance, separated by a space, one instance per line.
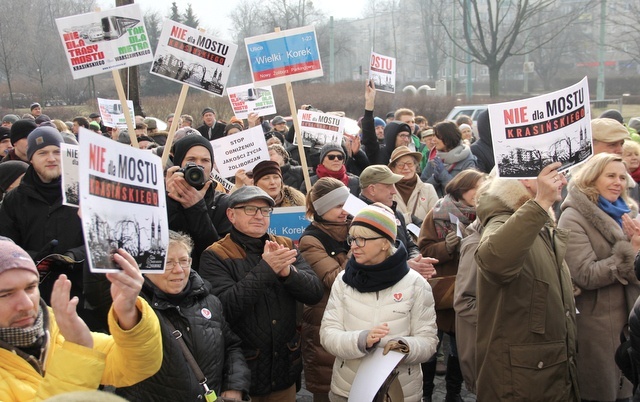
x=206 y=222
x=215 y=347
x=42 y=229
x=260 y=306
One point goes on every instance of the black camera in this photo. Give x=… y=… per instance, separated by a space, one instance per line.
x=194 y=175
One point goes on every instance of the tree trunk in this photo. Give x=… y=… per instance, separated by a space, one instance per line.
x=494 y=81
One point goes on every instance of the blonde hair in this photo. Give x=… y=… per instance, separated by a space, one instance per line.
x=630 y=145
x=585 y=179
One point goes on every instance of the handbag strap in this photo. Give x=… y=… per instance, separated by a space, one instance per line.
x=202 y=379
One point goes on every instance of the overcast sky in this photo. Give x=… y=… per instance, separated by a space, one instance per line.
x=209 y=10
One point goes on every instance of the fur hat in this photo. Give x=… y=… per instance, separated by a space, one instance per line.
x=330 y=148
x=21 y=129
x=14 y=257
x=378 y=218
x=264 y=168
x=42 y=137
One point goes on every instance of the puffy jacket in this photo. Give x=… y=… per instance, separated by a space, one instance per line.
x=260 y=306
x=407 y=307
x=122 y=359
x=216 y=349
x=526 y=333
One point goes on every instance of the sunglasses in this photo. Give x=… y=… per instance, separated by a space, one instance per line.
x=335 y=156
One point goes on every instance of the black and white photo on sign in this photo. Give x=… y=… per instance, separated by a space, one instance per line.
x=191 y=57
x=123 y=205
x=70 y=183
x=531 y=133
x=112 y=113
x=382 y=71
x=318 y=129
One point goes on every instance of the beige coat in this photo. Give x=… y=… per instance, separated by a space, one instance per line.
x=422 y=199
x=601 y=262
x=526 y=328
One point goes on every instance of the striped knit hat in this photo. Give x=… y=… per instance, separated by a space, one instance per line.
x=379 y=218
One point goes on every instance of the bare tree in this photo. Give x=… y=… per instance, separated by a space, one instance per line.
x=495 y=30
x=10 y=44
x=627 y=33
x=433 y=36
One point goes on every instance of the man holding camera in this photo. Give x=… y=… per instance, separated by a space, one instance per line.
x=194 y=206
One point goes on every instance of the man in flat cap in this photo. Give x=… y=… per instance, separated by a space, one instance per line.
x=259 y=277
x=211 y=129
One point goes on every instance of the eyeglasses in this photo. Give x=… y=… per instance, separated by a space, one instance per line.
x=405 y=164
x=184 y=263
x=335 y=156
x=404 y=135
x=250 y=210
x=360 y=241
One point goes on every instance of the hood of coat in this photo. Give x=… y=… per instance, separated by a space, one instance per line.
x=391 y=131
x=484 y=128
x=503 y=196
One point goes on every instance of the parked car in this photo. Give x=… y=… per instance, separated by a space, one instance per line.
x=469 y=110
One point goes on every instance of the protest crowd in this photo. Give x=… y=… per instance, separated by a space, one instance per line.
x=532 y=283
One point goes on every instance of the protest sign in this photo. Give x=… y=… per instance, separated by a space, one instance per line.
x=194 y=58
x=531 y=133
x=285 y=56
x=245 y=99
x=69 y=165
x=103 y=41
x=112 y=113
x=382 y=70
x=242 y=150
x=289 y=222
x=122 y=200
x=319 y=128
x=374 y=369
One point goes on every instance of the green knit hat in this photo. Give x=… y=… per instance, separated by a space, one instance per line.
x=379 y=218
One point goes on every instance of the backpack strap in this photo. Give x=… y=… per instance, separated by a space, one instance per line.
x=330 y=244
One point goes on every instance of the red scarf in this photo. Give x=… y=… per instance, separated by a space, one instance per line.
x=341 y=174
x=636 y=175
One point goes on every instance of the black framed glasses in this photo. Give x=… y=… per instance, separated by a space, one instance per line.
x=360 y=241
x=335 y=156
x=251 y=210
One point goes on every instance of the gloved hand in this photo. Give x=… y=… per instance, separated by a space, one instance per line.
x=451 y=242
x=396 y=345
x=438 y=165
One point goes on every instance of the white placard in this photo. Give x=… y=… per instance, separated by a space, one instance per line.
x=245 y=99
x=372 y=372
x=242 y=150
x=98 y=42
x=319 y=128
x=112 y=113
x=70 y=174
x=353 y=205
x=123 y=203
x=531 y=133
x=382 y=70
x=189 y=56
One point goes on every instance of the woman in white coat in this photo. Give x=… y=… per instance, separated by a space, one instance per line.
x=378 y=299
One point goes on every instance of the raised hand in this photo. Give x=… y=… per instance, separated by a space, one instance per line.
x=71 y=326
x=125 y=287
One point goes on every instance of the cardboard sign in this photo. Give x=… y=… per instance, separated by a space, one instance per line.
x=531 y=133
x=318 y=129
x=123 y=204
x=382 y=70
x=112 y=113
x=246 y=99
x=99 y=42
x=70 y=174
x=191 y=57
x=242 y=150
x=285 y=56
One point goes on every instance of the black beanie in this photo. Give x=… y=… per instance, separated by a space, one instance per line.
x=5 y=133
x=42 y=137
x=21 y=129
x=183 y=145
x=10 y=171
x=612 y=114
